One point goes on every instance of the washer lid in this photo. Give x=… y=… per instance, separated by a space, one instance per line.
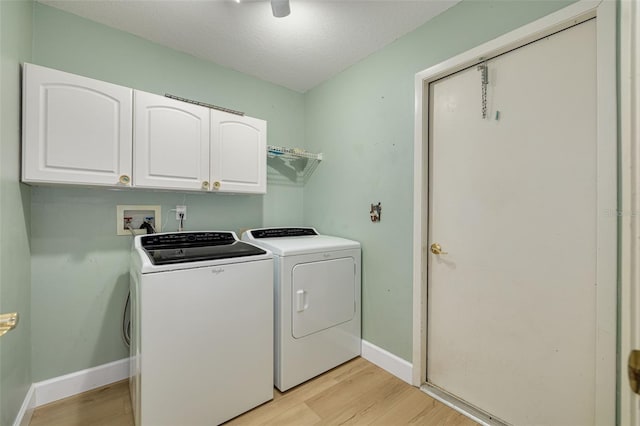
x=194 y=254
x=183 y=247
x=303 y=243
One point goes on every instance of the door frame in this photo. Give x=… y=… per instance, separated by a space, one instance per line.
x=607 y=187
x=629 y=207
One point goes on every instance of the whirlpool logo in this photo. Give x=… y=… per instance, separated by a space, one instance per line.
x=217 y=271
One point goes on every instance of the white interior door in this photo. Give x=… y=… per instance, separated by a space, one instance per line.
x=513 y=201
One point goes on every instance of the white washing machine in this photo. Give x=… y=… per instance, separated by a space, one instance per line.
x=317 y=301
x=202 y=328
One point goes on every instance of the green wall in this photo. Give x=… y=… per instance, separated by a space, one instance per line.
x=79 y=266
x=362 y=120
x=15 y=292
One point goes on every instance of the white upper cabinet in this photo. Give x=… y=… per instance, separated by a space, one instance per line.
x=81 y=131
x=178 y=145
x=238 y=153
x=75 y=129
x=171 y=143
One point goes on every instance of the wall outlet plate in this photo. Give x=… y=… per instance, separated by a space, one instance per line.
x=134 y=216
x=183 y=210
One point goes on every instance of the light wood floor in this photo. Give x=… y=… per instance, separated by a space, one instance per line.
x=357 y=393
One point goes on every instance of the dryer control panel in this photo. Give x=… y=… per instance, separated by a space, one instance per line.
x=282 y=232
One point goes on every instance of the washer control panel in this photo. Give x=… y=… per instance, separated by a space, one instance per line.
x=187 y=239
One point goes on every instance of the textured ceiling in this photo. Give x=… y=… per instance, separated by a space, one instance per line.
x=315 y=42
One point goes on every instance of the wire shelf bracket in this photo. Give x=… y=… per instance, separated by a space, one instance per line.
x=290 y=165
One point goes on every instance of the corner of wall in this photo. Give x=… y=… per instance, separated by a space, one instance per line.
x=16 y=24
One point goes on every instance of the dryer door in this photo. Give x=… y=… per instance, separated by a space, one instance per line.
x=323 y=295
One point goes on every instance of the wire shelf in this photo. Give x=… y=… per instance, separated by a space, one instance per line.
x=290 y=165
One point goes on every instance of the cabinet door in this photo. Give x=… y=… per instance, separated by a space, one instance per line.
x=171 y=143
x=238 y=153
x=75 y=129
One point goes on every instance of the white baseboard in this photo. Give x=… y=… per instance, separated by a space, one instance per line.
x=81 y=381
x=386 y=360
x=26 y=410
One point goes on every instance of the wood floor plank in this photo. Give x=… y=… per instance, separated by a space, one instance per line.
x=297 y=395
x=106 y=406
x=355 y=393
x=417 y=408
x=343 y=394
x=285 y=401
x=348 y=369
x=299 y=414
x=370 y=404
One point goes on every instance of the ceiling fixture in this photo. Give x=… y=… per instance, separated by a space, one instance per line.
x=280 y=8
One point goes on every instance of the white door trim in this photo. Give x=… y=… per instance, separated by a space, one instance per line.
x=630 y=201
x=605 y=11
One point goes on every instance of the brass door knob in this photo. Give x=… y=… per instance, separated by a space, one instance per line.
x=125 y=180
x=8 y=322
x=437 y=249
x=205 y=185
x=216 y=185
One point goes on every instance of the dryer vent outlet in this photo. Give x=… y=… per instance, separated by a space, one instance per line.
x=376 y=212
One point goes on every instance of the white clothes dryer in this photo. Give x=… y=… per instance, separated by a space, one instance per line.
x=317 y=301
